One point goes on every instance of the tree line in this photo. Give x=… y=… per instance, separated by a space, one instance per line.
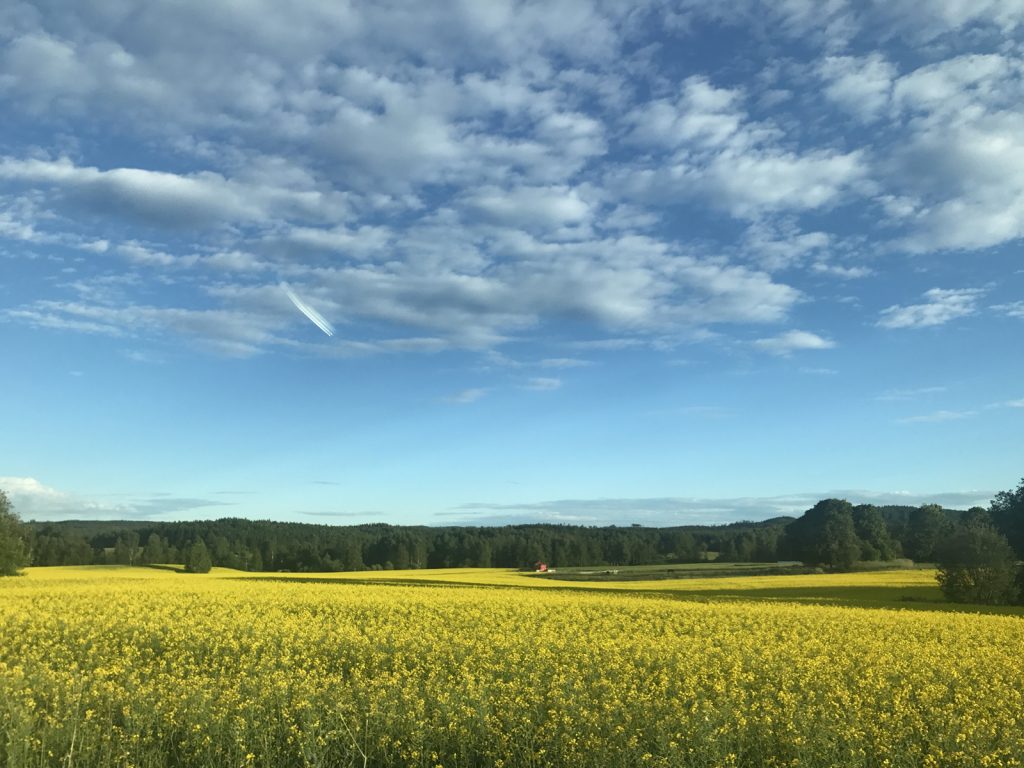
x=976 y=550
x=256 y=545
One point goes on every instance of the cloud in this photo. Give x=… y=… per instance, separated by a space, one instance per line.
x=845 y=273
x=860 y=85
x=942 y=306
x=1013 y=309
x=909 y=394
x=715 y=151
x=792 y=341
x=672 y=511
x=199 y=199
x=938 y=417
x=543 y=384
x=467 y=177
x=467 y=396
x=530 y=207
x=33 y=500
x=955 y=164
x=702 y=114
x=564 y=362
x=234 y=333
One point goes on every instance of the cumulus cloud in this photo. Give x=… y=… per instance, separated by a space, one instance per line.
x=860 y=85
x=717 y=151
x=941 y=306
x=475 y=174
x=169 y=199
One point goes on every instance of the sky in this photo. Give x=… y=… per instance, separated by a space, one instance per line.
x=486 y=261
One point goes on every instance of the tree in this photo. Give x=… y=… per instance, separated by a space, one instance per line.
x=197 y=558
x=825 y=535
x=1007 y=511
x=876 y=543
x=928 y=527
x=155 y=550
x=977 y=565
x=13 y=552
x=977 y=516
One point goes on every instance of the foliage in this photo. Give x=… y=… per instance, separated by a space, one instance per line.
x=825 y=535
x=1007 y=511
x=977 y=565
x=876 y=541
x=197 y=558
x=13 y=552
x=264 y=545
x=929 y=525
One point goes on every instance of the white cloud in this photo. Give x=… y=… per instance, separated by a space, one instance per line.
x=530 y=207
x=845 y=273
x=741 y=165
x=32 y=500
x=909 y=394
x=938 y=417
x=942 y=306
x=782 y=245
x=1013 y=309
x=747 y=183
x=564 y=362
x=792 y=341
x=168 y=199
x=688 y=510
x=702 y=114
x=543 y=384
x=957 y=169
x=860 y=85
x=467 y=396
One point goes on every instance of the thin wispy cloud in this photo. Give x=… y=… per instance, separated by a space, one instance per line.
x=910 y=394
x=683 y=510
x=941 y=306
x=938 y=416
x=793 y=341
x=1013 y=309
x=543 y=384
x=565 y=362
x=467 y=396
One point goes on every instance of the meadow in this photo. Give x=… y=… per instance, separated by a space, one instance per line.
x=148 y=667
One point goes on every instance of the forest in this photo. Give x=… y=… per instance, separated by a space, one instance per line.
x=884 y=533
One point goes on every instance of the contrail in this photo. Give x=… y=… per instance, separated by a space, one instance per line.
x=308 y=311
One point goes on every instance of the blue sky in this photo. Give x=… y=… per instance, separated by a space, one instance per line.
x=596 y=262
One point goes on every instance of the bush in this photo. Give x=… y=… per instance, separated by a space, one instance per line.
x=13 y=552
x=977 y=565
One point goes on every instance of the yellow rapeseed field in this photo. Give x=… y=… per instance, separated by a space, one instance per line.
x=142 y=667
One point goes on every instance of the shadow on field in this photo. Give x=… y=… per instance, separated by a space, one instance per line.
x=918 y=598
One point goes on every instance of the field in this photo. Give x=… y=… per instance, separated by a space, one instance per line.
x=148 y=667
